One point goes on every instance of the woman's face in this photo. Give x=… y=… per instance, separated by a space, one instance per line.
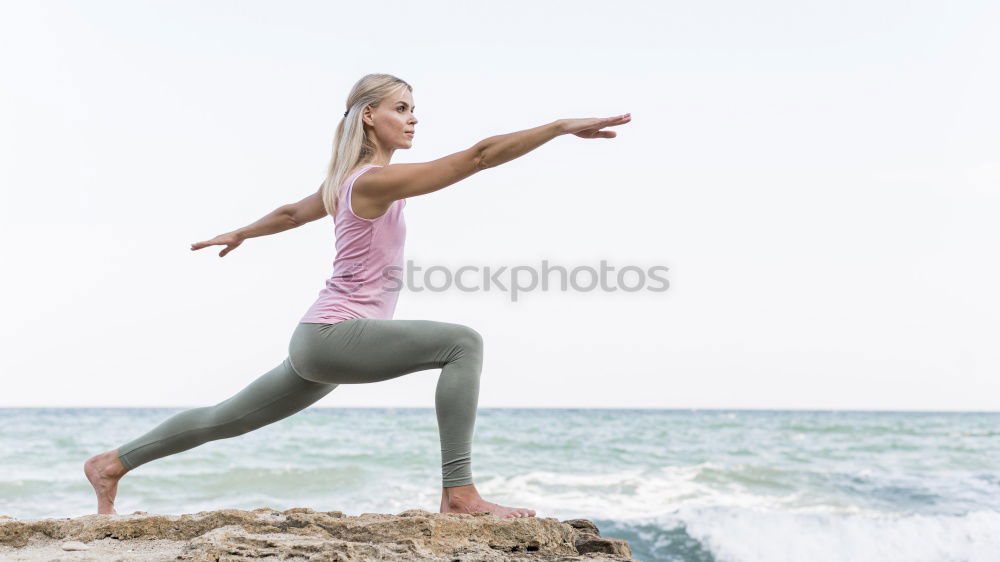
x=393 y=121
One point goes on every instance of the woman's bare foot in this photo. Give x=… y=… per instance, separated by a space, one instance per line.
x=466 y=499
x=104 y=471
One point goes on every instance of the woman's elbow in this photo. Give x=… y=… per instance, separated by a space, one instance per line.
x=481 y=158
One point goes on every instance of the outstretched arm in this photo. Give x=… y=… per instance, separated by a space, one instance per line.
x=384 y=185
x=279 y=220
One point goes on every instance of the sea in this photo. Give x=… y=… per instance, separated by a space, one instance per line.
x=678 y=485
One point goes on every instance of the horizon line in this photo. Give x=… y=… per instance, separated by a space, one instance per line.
x=653 y=409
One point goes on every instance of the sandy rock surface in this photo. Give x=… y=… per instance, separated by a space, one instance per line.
x=303 y=534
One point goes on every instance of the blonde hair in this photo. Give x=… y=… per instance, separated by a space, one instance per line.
x=351 y=146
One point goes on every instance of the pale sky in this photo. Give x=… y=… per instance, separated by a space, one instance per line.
x=822 y=179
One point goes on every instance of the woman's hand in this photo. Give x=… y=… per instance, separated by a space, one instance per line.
x=591 y=128
x=230 y=239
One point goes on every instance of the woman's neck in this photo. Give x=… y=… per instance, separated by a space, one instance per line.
x=381 y=157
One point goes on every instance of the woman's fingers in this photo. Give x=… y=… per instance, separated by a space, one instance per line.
x=229 y=240
x=591 y=128
x=213 y=242
x=200 y=245
x=597 y=134
x=619 y=119
x=586 y=127
x=611 y=122
x=230 y=246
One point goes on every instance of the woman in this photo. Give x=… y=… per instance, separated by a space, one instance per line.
x=348 y=336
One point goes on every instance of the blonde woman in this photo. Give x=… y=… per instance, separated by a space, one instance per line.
x=348 y=335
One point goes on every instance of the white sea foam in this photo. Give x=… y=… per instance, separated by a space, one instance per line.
x=752 y=535
x=639 y=493
x=743 y=526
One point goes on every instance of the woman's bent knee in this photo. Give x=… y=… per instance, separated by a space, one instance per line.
x=469 y=344
x=468 y=338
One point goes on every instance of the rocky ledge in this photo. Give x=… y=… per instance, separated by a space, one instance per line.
x=304 y=534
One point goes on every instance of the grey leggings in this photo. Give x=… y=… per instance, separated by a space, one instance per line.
x=322 y=356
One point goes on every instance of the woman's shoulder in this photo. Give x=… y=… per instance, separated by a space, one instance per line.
x=361 y=169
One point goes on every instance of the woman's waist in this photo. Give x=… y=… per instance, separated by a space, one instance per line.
x=372 y=268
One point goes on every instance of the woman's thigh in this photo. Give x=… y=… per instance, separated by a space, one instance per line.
x=365 y=350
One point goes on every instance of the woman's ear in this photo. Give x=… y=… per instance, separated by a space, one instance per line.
x=366 y=116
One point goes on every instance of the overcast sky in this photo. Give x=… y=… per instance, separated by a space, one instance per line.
x=822 y=180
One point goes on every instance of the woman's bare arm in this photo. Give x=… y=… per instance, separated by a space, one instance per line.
x=309 y=209
x=283 y=218
x=382 y=186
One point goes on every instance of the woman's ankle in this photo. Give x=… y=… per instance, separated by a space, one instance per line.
x=467 y=492
x=110 y=464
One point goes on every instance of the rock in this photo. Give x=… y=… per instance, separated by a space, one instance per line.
x=304 y=534
x=74 y=545
x=603 y=545
x=583 y=526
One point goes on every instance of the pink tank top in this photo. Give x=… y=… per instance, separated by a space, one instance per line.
x=366 y=248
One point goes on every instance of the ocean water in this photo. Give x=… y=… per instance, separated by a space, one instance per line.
x=679 y=485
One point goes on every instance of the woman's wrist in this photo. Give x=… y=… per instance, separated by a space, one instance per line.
x=559 y=125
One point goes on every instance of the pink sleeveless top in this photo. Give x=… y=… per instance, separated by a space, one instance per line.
x=364 y=283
